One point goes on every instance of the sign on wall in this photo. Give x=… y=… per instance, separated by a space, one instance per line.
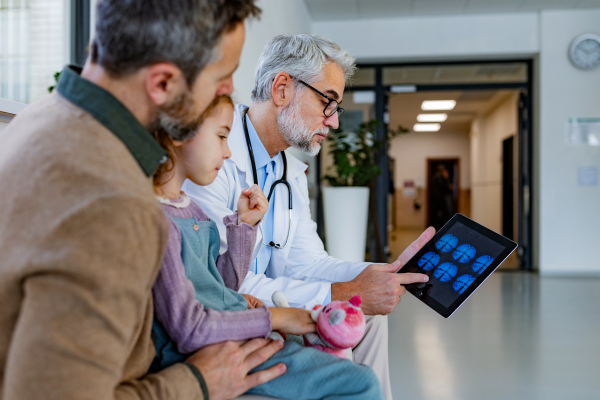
x=583 y=131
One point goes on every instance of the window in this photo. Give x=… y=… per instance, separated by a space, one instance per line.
x=33 y=46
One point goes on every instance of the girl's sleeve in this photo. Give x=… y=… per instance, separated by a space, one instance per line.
x=186 y=320
x=233 y=265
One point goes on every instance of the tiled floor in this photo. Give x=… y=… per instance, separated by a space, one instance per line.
x=518 y=337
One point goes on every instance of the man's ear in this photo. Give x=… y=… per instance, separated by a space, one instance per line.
x=164 y=82
x=177 y=143
x=283 y=89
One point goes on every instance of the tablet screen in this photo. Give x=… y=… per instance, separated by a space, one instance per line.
x=457 y=260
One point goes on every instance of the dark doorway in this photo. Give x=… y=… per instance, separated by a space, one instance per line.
x=442 y=190
x=508 y=191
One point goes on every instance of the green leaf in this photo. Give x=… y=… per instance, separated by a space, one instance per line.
x=355 y=154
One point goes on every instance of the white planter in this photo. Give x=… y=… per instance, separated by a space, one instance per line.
x=346 y=212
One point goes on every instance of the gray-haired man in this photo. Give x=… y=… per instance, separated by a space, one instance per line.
x=82 y=235
x=299 y=84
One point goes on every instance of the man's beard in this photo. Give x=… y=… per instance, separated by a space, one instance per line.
x=174 y=118
x=295 y=131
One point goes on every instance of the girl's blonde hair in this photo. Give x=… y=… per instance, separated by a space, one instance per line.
x=165 y=141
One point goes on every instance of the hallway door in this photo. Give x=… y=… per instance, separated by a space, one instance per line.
x=508 y=188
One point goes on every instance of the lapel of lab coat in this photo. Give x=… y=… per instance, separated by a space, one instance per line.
x=241 y=159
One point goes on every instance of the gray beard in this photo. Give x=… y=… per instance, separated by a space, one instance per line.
x=173 y=118
x=296 y=133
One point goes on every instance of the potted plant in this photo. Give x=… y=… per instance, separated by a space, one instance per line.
x=346 y=199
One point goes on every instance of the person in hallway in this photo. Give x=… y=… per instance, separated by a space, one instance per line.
x=299 y=84
x=82 y=235
x=442 y=195
x=194 y=304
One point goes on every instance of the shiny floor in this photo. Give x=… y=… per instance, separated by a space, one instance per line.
x=518 y=337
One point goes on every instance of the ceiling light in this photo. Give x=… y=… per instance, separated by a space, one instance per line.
x=432 y=117
x=429 y=105
x=426 y=127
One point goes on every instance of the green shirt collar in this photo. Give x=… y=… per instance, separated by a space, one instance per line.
x=113 y=115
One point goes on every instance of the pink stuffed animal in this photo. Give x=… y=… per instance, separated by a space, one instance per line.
x=340 y=325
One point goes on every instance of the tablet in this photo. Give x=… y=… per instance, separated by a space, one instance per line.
x=459 y=258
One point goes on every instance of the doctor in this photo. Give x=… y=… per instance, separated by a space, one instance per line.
x=299 y=84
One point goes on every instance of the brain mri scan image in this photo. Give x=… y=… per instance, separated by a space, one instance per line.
x=446 y=243
x=445 y=272
x=462 y=283
x=482 y=263
x=429 y=261
x=464 y=253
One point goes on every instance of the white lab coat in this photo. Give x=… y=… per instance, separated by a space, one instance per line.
x=302 y=270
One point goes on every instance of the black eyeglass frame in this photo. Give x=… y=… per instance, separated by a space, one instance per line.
x=337 y=108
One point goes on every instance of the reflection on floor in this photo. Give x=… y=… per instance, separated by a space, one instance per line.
x=401 y=238
x=518 y=337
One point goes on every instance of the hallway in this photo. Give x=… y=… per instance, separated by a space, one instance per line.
x=518 y=337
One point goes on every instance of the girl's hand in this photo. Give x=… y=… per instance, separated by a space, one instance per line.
x=253 y=302
x=294 y=321
x=252 y=205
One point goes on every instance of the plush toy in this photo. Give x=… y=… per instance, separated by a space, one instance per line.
x=340 y=325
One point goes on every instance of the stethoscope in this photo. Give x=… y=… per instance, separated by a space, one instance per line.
x=282 y=180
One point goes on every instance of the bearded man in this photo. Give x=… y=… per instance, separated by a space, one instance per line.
x=299 y=84
x=82 y=235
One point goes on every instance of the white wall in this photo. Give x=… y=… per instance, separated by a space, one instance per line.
x=460 y=37
x=487 y=133
x=278 y=18
x=569 y=234
x=412 y=150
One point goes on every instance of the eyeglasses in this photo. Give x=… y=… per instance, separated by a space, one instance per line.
x=332 y=106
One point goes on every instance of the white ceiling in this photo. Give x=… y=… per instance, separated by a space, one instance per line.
x=404 y=107
x=363 y=9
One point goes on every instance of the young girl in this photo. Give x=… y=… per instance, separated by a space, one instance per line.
x=195 y=297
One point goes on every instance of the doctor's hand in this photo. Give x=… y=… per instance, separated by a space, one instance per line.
x=378 y=285
x=252 y=205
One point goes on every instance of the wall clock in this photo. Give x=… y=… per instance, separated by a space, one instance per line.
x=584 y=51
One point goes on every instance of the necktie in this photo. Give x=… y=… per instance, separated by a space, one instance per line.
x=264 y=255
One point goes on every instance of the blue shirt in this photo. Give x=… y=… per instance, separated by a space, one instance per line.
x=262 y=159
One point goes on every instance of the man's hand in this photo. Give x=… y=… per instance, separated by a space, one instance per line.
x=252 y=205
x=252 y=301
x=225 y=366
x=379 y=286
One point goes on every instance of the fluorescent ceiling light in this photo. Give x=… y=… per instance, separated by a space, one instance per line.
x=363 y=97
x=432 y=117
x=429 y=105
x=426 y=127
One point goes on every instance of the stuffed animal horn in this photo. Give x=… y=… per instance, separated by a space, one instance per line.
x=340 y=325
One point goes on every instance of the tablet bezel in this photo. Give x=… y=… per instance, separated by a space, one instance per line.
x=446 y=312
